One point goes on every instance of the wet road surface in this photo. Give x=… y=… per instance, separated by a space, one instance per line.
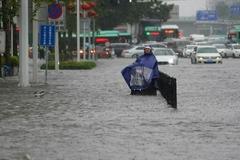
x=89 y=115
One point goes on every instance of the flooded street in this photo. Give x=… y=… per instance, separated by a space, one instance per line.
x=90 y=115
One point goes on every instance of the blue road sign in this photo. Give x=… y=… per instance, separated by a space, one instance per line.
x=235 y=10
x=47 y=35
x=55 y=10
x=206 y=15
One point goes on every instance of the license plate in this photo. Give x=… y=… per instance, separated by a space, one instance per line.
x=209 y=61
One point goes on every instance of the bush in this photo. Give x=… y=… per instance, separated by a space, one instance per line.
x=71 y=65
x=13 y=60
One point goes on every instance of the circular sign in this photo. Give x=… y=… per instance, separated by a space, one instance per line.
x=55 y=10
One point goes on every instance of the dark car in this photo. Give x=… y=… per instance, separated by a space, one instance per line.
x=119 y=47
x=103 y=52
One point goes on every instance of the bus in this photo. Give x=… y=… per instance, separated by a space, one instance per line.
x=101 y=37
x=169 y=31
x=112 y=36
x=160 y=33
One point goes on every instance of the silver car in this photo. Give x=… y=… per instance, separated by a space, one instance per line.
x=236 y=50
x=205 y=54
x=223 y=50
x=165 y=56
x=133 y=52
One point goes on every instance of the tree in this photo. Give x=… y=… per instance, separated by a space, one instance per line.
x=111 y=13
x=114 y=12
x=223 y=10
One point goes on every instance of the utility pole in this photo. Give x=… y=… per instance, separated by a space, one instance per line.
x=35 y=46
x=24 y=74
x=78 y=30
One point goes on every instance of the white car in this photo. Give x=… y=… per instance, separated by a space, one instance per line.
x=165 y=56
x=188 y=49
x=133 y=52
x=156 y=45
x=236 y=50
x=205 y=54
x=223 y=50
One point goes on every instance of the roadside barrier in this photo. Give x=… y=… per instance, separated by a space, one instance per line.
x=168 y=87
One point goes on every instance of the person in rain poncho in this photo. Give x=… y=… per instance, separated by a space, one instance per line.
x=142 y=75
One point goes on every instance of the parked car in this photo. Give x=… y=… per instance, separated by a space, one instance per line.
x=236 y=50
x=133 y=52
x=223 y=50
x=119 y=47
x=188 y=49
x=205 y=54
x=165 y=56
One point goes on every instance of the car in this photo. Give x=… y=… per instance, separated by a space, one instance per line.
x=177 y=45
x=119 y=47
x=188 y=49
x=104 y=52
x=206 y=54
x=236 y=50
x=223 y=50
x=156 y=45
x=133 y=52
x=165 y=56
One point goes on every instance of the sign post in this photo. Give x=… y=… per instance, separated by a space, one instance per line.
x=2 y=48
x=47 y=39
x=56 y=16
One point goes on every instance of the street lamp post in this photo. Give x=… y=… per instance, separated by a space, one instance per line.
x=24 y=75
x=78 y=30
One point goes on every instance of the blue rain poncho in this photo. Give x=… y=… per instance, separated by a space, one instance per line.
x=140 y=74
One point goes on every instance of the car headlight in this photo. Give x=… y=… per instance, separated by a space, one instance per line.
x=200 y=58
x=218 y=57
x=171 y=61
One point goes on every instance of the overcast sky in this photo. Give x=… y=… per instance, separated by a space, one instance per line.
x=189 y=7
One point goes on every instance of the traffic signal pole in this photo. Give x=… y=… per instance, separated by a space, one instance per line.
x=23 y=65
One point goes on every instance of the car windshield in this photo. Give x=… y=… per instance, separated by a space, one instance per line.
x=220 y=46
x=207 y=50
x=157 y=45
x=163 y=52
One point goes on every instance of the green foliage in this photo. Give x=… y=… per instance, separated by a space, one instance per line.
x=222 y=10
x=14 y=60
x=71 y=65
x=112 y=14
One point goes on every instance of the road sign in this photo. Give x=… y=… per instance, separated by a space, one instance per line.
x=55 y=10
x=235 y=10
x=206 y=15
x=47 y=35
x=152 y=28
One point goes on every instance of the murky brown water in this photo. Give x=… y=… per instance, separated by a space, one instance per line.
x=89 y=115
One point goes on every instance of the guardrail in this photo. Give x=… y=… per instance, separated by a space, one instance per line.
x=168 y=87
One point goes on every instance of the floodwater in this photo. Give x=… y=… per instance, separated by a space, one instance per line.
x=89 y=115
